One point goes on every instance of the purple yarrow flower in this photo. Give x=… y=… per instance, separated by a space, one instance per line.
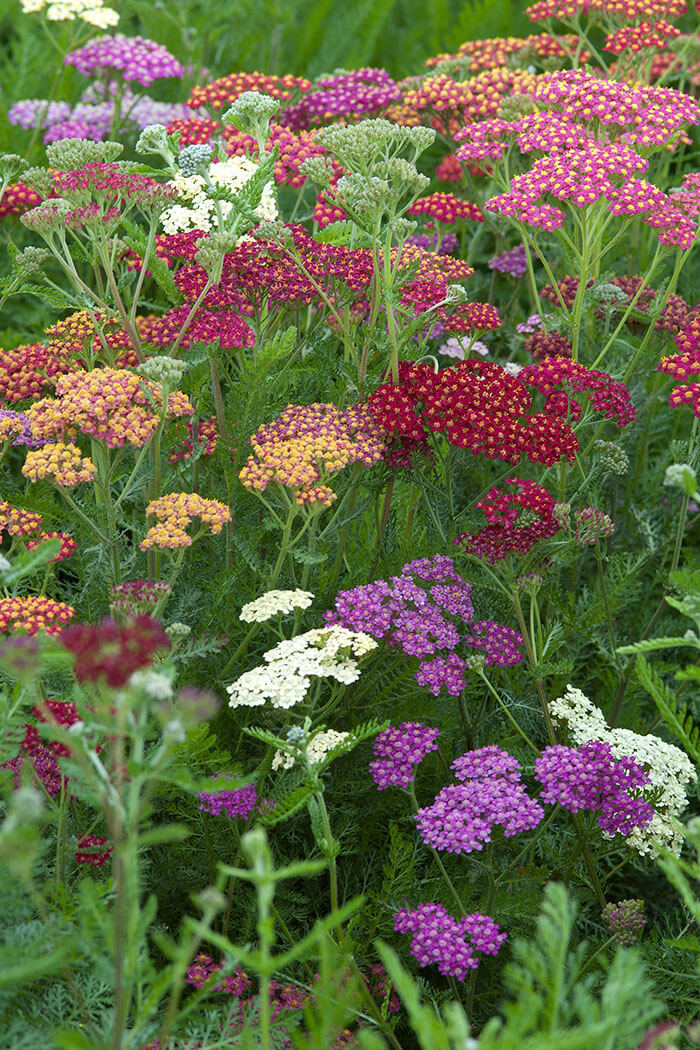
x=239 y=802
x=27 y=112
x=25 y=437
x=74 y=129
x=398 y=750
x=359 y=92
x=432 y=242
x=462 y=817
x=591 y=778
x=500 y=644
x=134 y=57
x=513 y=262
x=449 y=943
x=442 y=672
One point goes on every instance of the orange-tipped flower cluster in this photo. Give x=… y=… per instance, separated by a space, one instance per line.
x=447 y=208
x=60 y=463
x=33 y=614
x=495 y=51
x=175 y=512
x=306 y=444
x=463 y=101
x=17 y=199
x=641 y=37
x=222 y=92
x=109 y=404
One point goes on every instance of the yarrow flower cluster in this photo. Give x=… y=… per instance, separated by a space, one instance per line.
x=61 y=464
x=447 y=208
x=517 y=521
x=91 y=11
x=136 y=597
x=307 y=444
x=235 y=802
x=360 y=92
x=513 y=262
x=34 y=614
x=591 y=778
x=222 y=92
x=199 y=210
x=669 y=769
x=625 y=920
x=92 y=849
x=274 y=603
x=398 y=750
x=175 y=512
x=491 y=792
x=449 y=943
x=132 y=57
x=285 y=677
x=110 y=652
x=422 y=612
x=605 y=395
x=316 y=747
x=478 y=406
x=111 y=405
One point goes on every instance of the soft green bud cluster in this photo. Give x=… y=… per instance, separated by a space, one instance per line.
x=318 y=169
x=561 y=512
x=153 y=139
x=211 y=249
x=363 y=193
x=608 y=293
x=401 y=229
x=454 y=68
x=31 y=259
x=177 y=631
x=276 y=232
x=195 y=160
x=681 y=476
x=39 y=179
x=164 y=370
x=402 y=176
x=11 y=165
x=70 y=154
x=455 y=294
x=611 y=457
x=250 y=110
x=475 y=662
x=358 y=147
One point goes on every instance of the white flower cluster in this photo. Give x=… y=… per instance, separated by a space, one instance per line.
x=324 y=652
x=200 y=211
x=668 y=767
x=316 y=749
x=91 y=11
x=273 y=602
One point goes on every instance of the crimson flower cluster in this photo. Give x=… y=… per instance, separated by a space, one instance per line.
x=91 y=849
x=463 y=816
x=517 y=521
x=110 y=652
x=422 y=612
x=605 y=395
x=478 y=406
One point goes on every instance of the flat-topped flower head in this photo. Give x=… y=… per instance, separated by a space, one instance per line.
x=235 y=802
x=398 y=751
x=67 y=544
x=60 y=463
x=135 y=597
x=132 y=57
x=275 y=603
x=307 y=444
x=447 y=208
x=110 y=652
x=33 y=614
x=93 y=12
x=108 y=404
x=360 y=92
x=222 y=92
x=16 y=521
x=175 y=512
x=450 y=944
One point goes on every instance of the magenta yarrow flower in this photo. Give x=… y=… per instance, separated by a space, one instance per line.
x=398 y=750
x=590 y=778
x=135 y=58
x=462 y=817
x=449 y=943
x=238 y=802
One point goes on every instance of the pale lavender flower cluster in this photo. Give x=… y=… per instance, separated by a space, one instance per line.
x=398 y=750
x=462 y=817
x=134 y=57
x=29 y=111
x=513 y=262
x=533 y=324
x=416 y=613
x=240 y=802
x=591 y=778
x=447 y=942
x=358 y=93
x=25 y=436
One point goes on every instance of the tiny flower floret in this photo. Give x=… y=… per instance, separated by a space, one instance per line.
x=273 y=603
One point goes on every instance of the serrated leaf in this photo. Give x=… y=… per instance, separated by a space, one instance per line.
x=309 y=557
x=288 y=806
x=344 y=233
x=51 y=296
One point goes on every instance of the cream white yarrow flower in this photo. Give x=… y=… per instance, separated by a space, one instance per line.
x=199 y=212
x=316 y=749
x=273 y=602
x=668 y=767
x=285 y=677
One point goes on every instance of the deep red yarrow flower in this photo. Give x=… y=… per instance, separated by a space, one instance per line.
x=91 y=849
x=111 y=652
x=478 y=406
x=517 y=521
x=108 y=182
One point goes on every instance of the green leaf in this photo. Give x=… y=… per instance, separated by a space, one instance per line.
x=165 y=833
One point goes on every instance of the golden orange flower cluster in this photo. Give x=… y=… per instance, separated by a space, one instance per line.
x=175 y=512
x=34 y=613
